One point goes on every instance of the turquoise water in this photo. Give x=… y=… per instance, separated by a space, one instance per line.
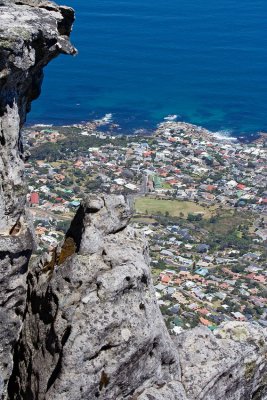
x=204 y=60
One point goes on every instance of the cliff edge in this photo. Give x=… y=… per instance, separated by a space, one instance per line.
x=31 y=34
x=93 y=327
x=83 y=323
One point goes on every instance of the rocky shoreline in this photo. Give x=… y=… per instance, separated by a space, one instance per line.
x=107 y=125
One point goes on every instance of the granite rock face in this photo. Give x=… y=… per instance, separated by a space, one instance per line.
x=31 y=34
x=227 y=364
x=93 y=327
x=94 y=330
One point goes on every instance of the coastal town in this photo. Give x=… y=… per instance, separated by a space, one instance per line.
x=199 y=198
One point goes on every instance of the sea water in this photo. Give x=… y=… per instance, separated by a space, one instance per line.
x=203 y=60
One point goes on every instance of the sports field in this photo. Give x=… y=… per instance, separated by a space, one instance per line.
x=175 y=208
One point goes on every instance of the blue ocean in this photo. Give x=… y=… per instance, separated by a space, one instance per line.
x=204 y=60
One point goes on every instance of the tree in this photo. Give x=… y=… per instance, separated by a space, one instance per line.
x=238 y=268
x=194 y=217
x=213 y=219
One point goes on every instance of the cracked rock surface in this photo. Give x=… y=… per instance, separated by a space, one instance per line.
x=31 y=34
x=227 y=364
x=94 y=330
x=93 y=326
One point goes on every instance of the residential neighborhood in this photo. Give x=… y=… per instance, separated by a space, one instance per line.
x=199 y=198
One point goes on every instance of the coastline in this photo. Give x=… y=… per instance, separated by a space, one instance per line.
x=107 y=125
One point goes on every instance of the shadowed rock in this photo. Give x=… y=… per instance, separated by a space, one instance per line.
x=31 y=34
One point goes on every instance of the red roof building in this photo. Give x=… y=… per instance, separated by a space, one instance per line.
x=165 y=279
x=203 y=311
x=240 y=186
x=34 y=198
x=147 y=153
x=210 y=188
x=204 y=321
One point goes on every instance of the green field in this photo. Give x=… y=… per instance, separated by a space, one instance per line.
x=174 y=208
x=227 y=221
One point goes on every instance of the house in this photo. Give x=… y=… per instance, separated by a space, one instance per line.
x=210 y=188
x=232 y=184
x=78 y=164
x=260 y=278
x=203 y=311
x=209 y=297
x=240 y=186
x=75 y=203
x=198 y=292
x=174 y=309
x=160 y=287
x=177 y=330
x=224 y=285
x=202 y=271
x=40 y=230
x=177 y=281
x=170 y=271
x=190 y=284
x=204 y=321
x=170 y=290
x=120 y=181
x=34 y=198
x=165 y=279
x=180 y=298
x=59 y=177
x=166 y=253
x=238 y=316
x=193 y=306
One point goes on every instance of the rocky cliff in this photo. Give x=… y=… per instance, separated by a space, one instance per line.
x=84 y=323
x=31 y=34
x=92 y=324
x=93 y=330
x=227 y=364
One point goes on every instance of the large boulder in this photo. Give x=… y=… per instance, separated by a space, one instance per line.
x=93 y=327
x=227 y=364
